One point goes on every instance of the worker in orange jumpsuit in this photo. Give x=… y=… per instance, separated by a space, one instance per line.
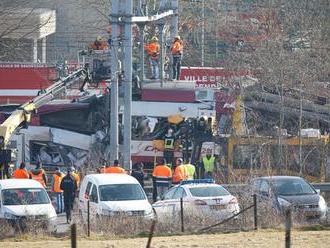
x=162 y=176
x=180 y=172
x=177 y=51
x=39 y=174
x=99 y=44
x=152 y=49
x=21 y=173
x=115 y=168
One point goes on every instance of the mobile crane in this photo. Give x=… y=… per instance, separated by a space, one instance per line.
x=22 y=115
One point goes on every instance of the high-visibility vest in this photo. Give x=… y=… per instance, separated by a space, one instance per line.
x=180 y=173
x=115 y=169
x=209 y=164
x=76 y=178
x=177 y=48
x=21 y=174
x=162 y=171
x=57 y=183
x=152 y=49
x=169 y=143
x=39 y=177
x=162 y=175
x=191 y=171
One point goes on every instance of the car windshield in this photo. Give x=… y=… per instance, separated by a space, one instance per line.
x=205 y=191
x=121 y=192
x=24 y=197
x=292 y=187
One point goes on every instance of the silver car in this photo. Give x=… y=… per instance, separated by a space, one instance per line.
x=292 y=192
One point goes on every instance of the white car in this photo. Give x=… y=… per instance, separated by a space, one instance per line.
x=202 y=197
x=113 y=195
x=25 y=202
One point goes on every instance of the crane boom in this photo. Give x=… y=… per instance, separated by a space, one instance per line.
x=22 y=114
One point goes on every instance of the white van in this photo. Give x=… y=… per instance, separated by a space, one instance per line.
x=113 y=195
x=25 y=202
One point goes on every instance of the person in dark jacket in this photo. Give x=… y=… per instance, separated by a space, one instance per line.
x=138 y=173
x=69 y=187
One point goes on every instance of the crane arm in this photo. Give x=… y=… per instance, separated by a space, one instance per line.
x=22 y=114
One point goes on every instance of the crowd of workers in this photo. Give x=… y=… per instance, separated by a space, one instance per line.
x=64 y=187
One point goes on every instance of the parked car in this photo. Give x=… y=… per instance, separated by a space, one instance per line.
x=25 y=202
x=291 y=192
x=113 y=195
x=202 y=197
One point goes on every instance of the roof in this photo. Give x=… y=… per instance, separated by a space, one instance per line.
x=279 y=177
x=19 y=183
x=195 y=185
x=112 y=178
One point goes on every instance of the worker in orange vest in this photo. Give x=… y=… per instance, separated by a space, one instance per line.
x=152 y=49
x=99 y=44
x=76 y=176
x=180 y=172
x=39 y=174
x=21 y=173
x=161 y=176
x=177 y=51
x=115 y=168
x=56 y=189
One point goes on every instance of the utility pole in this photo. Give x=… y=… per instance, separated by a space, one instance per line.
x=127 y=65
x=114 y=121
x=173 y=28
x=122 y=14
x=203 y=32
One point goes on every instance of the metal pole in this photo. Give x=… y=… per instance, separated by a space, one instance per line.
x=44 y=49
x=181 y=215
x=128 y=83
x=255 y=212
x=173 y=29
x=74 y=235
x=88 y=219
x=114 y=147
x=203 y=31
x=161 y=56
x=288 y=223
x=151 y=234
x=141 y=52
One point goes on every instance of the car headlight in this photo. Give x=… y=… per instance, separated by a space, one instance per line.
x=10 y=216
x=322 y=204
x=149 y=212
x=283 y=203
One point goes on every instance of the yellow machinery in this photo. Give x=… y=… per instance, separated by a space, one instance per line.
x=22 y=114
x=264 y=140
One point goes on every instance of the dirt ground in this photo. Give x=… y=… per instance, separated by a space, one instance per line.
x=264 y=238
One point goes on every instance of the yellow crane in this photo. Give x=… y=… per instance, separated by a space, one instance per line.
x=23 y=113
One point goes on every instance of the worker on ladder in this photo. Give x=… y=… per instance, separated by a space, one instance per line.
x=152 y=49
